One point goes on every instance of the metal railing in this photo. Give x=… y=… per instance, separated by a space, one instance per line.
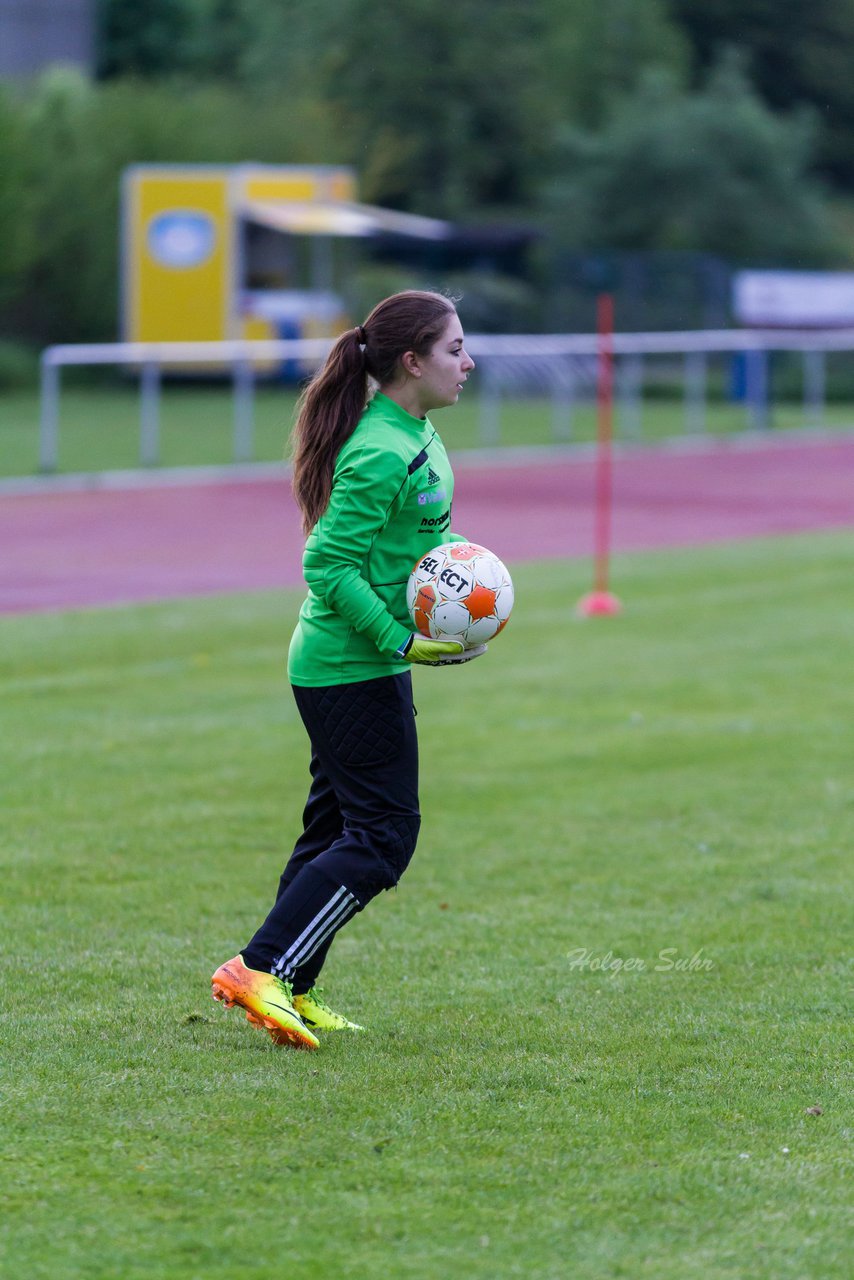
x=560 y=365
x=150 y=358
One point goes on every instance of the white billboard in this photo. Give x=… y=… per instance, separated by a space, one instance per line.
x=793 y=299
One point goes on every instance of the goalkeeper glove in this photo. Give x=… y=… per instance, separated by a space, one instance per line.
x=437 y=653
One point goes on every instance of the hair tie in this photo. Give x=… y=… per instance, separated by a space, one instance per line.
x=361 y=336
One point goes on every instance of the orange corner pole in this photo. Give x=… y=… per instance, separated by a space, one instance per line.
x=600 y=600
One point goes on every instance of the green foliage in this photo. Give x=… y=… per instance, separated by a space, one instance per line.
x=798 y=53
x=252 y=43
x=146 y=38
x=19 y=367
x=560 y=113
x=446 y=105
x=455 y=110
x=262 y=45
x=674 y=778
x=67 y=203
x=594 y=52
x=712 y=169
x=66 y=146
x=15 y=231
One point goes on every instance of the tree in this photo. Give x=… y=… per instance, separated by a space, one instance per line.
x=712 y=170
x=64 y=143
x=70 y=281
x=455 y=110
x=797 y=53
x=148 y=38
x=443 y=109
x=256 y=44
x=15 y=229
x=593 y=52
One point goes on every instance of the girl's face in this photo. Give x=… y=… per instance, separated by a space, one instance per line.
x=440 y=375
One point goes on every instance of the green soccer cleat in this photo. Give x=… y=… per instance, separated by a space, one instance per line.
x=268 y=1002
x=315 y=1013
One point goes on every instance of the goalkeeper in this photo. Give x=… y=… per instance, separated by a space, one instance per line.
x=375 y=488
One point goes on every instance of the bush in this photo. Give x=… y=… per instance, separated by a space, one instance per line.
x=19 y=366
x=64 y=144
x=713 y=170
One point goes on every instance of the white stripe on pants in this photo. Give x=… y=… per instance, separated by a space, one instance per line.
x=338 y=909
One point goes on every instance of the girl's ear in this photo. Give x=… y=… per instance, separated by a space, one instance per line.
x=409 y=361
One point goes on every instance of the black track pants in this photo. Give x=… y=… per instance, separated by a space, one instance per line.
x=360 y=823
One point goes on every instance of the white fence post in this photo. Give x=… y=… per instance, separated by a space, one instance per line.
x=149 y=414
x=244 y=406
x=630 y=384
x=489 y=400
x=814 y=387
x=563 y=403
x=695 y=392
x=757 y=390
x=49 y=415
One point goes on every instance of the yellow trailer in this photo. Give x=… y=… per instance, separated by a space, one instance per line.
x=219 y=252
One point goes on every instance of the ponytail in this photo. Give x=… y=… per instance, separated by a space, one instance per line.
x=331 y=405
x=327 y=414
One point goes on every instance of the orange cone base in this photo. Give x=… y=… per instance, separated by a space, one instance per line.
x=597 y=603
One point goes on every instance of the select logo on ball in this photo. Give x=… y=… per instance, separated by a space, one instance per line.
x=455 y=582
x=460 y=591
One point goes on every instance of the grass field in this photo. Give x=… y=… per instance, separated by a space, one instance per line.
x=674 y=781
x=99 y=426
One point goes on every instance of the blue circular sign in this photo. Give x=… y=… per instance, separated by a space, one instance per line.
x=181 y=239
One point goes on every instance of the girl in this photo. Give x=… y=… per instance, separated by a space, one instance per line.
x=375 y=487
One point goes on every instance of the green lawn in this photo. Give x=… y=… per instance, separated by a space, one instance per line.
x=674 y=780
x=99 y=426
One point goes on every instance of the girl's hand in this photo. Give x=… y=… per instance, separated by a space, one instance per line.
x=439 y=653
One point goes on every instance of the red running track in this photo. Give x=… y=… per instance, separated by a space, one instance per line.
x=61 y=550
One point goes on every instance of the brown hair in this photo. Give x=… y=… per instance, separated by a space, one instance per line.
x=332 y=403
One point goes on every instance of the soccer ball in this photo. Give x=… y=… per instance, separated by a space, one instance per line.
x=459 y=591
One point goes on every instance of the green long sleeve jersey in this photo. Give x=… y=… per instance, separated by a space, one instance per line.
x=391 y=502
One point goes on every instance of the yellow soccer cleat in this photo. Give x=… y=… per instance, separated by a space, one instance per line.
x=268 y=1002
x=315 y=1013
